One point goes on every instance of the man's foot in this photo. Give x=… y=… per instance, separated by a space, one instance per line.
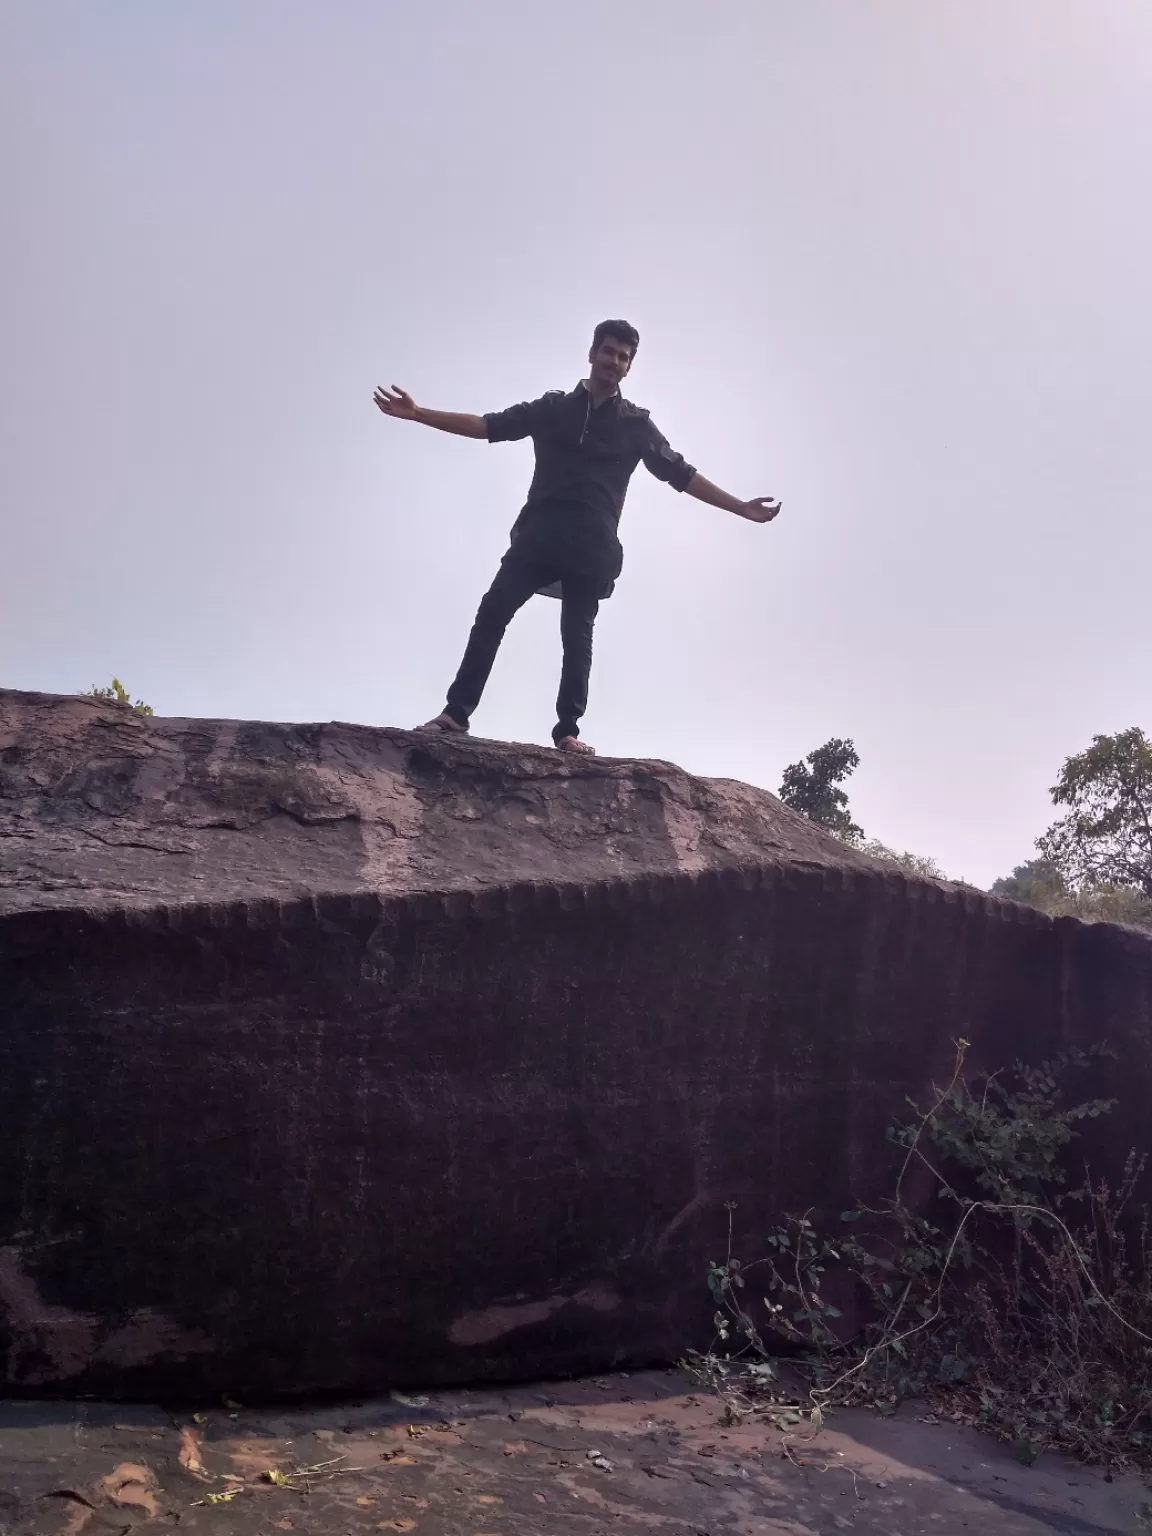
x=574 y=744
x=446 y=724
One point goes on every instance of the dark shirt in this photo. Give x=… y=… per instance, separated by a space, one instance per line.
x=585 y=457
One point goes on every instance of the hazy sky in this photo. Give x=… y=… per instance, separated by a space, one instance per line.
x=889 y=260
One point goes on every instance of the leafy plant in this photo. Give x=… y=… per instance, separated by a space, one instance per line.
x=116 y=693
x=915 y=863
x=1017 y=1301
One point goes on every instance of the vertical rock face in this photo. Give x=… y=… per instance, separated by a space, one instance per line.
x=334 y=1057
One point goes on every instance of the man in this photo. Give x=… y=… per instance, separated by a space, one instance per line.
x=588 y=443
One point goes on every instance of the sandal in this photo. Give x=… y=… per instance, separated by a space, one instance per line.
x=574 y=744
x=446 y=725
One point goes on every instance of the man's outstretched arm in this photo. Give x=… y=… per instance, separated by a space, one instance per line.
x=399 y=404
x=675 y=470
x=761 y=509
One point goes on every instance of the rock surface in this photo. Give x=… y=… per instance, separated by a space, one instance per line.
x=637 y=1456
x=110 y=810
x=340 y=1058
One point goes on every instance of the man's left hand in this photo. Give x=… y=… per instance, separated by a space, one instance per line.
x=761 y=509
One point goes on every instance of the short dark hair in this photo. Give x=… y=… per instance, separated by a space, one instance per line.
x=620 y=330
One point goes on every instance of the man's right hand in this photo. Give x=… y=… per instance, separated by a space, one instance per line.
x=761 y=509
x=397 y=402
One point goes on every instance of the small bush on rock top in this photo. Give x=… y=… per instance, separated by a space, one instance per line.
x=116 y=693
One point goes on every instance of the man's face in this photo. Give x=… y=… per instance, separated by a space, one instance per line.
x=610 y=361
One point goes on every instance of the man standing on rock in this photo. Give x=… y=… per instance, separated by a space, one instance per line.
x=588 y=443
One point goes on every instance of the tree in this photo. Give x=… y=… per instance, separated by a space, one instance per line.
x=1039 y=883
x=1105 y=840
x=811 y=787
x=118 y=694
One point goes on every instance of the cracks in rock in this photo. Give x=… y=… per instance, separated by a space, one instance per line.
x=130 y=842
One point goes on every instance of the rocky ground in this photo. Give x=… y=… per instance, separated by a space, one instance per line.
x=620 y=1454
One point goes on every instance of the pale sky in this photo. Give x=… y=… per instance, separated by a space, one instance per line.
x=889 y=260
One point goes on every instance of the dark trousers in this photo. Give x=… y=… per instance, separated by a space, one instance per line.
x=516 y=581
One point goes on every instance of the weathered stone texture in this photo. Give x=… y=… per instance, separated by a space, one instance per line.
x=334 y=1057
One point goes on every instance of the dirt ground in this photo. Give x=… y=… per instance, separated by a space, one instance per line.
x=620 y=1454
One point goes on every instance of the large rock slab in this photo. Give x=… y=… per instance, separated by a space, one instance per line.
x=339 y=1058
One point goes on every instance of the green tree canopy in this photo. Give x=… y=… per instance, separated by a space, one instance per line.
x=813 y=787
x=1105 y=840
x=1039 y=883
